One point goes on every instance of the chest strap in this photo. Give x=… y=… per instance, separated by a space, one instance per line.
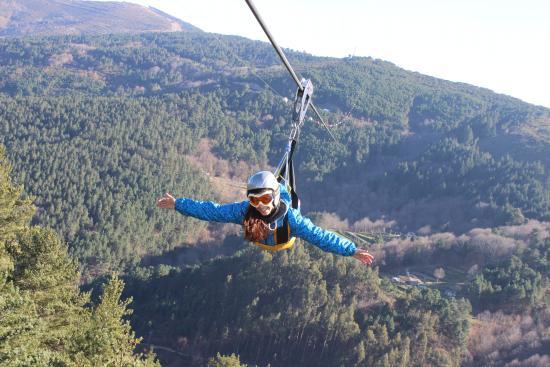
x=281 y=237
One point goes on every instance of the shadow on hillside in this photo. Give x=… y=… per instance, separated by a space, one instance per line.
x=199 y=253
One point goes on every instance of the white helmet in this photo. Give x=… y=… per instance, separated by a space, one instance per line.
x=264 y=180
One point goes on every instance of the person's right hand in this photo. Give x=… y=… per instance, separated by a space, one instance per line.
x=364 y=256
x=166 y=202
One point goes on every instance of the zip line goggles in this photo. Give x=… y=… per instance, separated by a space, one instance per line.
x=256 y=199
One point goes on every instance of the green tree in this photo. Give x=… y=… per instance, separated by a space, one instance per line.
x=225 y=361
x=44 y=318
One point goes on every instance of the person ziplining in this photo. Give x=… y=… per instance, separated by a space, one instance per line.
x=268 y=218
x=271 y=216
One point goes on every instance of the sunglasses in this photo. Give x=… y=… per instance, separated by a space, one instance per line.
x=265 y=199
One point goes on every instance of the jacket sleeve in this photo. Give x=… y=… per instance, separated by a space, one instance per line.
x=213 y=212
x=326 y=240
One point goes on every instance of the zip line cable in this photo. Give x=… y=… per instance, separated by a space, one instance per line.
x=285 y=61
x=246 y=64
x=274 y=43
x=323 y=122
x=346 y=116
x=252 y=69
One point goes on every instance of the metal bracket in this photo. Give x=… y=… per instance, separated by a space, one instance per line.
x=301 y=103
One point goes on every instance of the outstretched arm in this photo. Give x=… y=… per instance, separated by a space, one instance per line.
x=205 y=210
x=326 y=240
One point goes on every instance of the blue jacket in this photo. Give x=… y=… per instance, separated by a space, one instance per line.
x=300 y=226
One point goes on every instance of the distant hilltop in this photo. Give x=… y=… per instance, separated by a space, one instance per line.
x=49 y=17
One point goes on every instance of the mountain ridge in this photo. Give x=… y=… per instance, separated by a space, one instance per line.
x=76 y=17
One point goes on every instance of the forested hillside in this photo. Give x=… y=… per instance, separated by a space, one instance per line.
x=455 y=176
x=414 y=150
x=44 y=319
x=300 y=308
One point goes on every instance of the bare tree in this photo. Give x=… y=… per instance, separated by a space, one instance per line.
x=473 y=271
x=439 y=274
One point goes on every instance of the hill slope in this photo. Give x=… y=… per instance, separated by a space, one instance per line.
x=98 y=126
x=415 y=150
x=47 y=17
x=83 y=117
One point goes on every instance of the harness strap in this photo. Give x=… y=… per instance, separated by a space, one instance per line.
x=281 y=237
x=285 y=173
x=282 y=234
x=279 y=247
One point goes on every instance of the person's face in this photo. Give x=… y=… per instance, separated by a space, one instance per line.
x=265 y=209
x=263 y=202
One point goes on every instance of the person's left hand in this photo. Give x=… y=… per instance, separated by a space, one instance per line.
x=166 y=202
x=364 y=256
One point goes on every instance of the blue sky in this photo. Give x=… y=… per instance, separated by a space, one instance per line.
x=501 y=45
